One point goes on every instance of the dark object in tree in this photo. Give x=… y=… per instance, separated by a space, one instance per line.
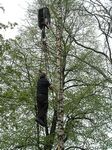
x=44 y=18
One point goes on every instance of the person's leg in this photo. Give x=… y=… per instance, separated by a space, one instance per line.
x=44 y=108
x=44 y=112
x=40 y=110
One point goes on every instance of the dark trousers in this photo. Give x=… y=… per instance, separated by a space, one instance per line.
x=42 y=102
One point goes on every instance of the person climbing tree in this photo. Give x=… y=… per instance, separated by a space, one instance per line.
x=42 y=99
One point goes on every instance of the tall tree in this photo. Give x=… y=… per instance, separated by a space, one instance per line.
x=85 y=86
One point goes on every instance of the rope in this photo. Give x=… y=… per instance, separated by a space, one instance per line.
x=44 y=50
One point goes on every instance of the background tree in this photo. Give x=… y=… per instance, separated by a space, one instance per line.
x=86 y=81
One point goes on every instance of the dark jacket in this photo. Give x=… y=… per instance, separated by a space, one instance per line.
x=42 y=86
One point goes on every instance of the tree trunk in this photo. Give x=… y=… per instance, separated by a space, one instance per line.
x=60 y=75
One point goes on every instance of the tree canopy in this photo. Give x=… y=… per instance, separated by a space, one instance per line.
x=86 y=57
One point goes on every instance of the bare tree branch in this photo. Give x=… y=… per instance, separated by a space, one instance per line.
x=87 y=47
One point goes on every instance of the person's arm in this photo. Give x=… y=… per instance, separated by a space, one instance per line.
x=51 y=87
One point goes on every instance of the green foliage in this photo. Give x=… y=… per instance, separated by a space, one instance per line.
x=87 y=93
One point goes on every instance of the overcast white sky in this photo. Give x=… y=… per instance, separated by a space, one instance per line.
x=14 y=12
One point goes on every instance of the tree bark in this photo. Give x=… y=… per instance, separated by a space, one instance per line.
x=60 y=76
